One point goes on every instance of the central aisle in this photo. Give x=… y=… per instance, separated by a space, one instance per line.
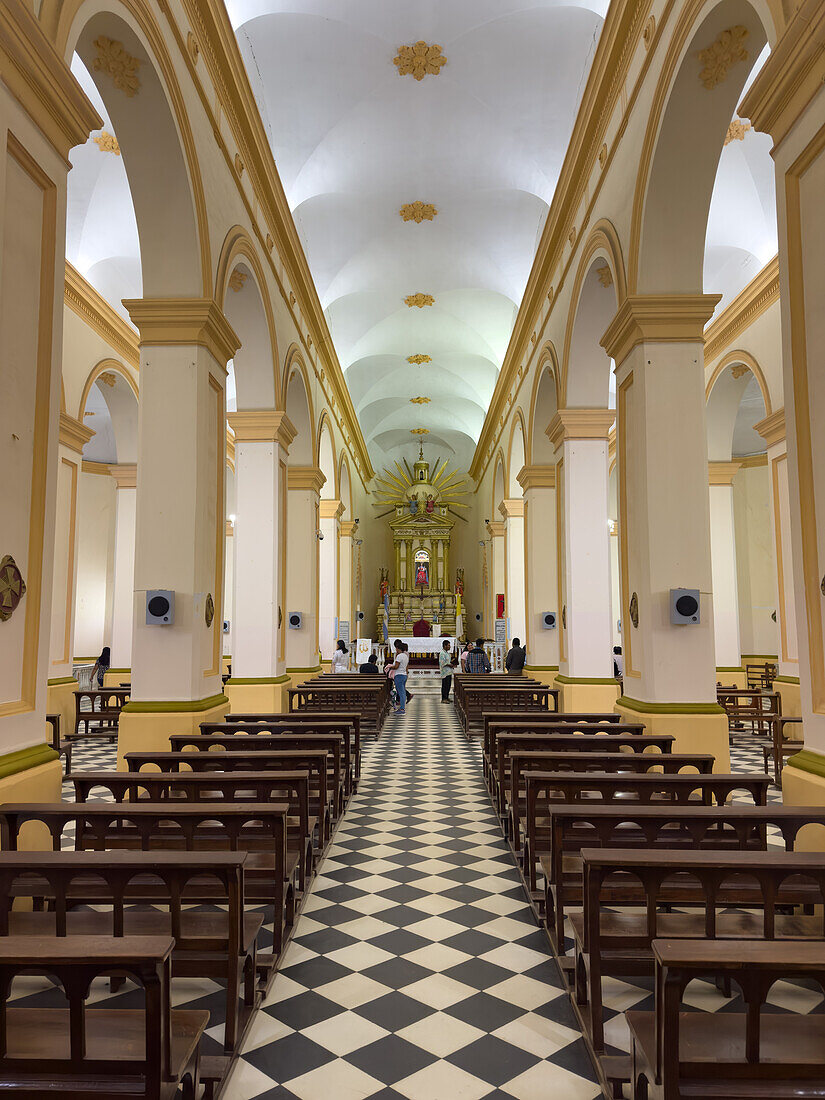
x=417 y=969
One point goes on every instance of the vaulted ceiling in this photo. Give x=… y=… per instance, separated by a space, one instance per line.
x=480 y=139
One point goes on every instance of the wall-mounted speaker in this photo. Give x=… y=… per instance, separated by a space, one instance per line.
x=160 y=607
x=361 y=616
x=548 y=620
x=478 y=618
x=684 y=606
x=226 y=626
x=295 y=620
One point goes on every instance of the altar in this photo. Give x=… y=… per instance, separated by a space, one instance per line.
x=427 y=645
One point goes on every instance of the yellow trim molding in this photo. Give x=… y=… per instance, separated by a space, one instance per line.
x=184 y=321
x=722 y=473
x=73 y=434
x=750 y=462
x=82 y=298
x=760 y=293
x=512 y=508
x=262 y=426
x=331 y=509
x=772 y=428
x=580 y=424
x=125 y=474
x=305 y=477
x=536 y=477
x=661 y=318
x=99 y=468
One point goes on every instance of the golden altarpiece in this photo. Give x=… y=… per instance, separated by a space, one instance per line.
x=420 y=506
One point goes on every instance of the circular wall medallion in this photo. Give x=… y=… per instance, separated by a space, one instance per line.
x=12 y=587
x=634 y=609
x=210 y=609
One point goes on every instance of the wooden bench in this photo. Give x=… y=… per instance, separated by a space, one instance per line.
x=81 y=1052
x=753 y=709
x=369 y=698
x=761 y=676
x=304 y=722
x=335 y=745
x=219 y=945
x=618 y=944
x=728 y=1054
x=576 y=826
x=289 y=788
x=515 y=698
x=105 y=705
x=256 y=828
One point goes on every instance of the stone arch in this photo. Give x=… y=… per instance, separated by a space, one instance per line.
x=516 y=453
x=241 y=291
x=326 y=459
x=684 y=139
x=726 y=390
x=738 y=356
x=152 y=127
x=598 y=290
x=117 y=402
x=500 y=482
x=544 y=404
x=101 y=368
x=345 y=486
x=298 y=401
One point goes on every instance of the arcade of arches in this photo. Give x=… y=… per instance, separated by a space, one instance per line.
x=298 y=307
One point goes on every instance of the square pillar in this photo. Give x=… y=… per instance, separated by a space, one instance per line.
x=541 y=590
x=664 y=518
x=346 y=605
x=723 y=572
x=580 y=439
x=259 y=679
x=125 y=475
x=304 y=485
x=512 y=512
x=330 y=512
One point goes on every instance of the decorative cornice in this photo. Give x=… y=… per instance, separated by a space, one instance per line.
x=101 y=469
x=417 y=212
x=792 y=74
x=512 y=508
x=580 y=424
x=722 y=473
x=348 y=527
x=262 y=426
x=762 y=291
x=230 y=449
x=772 y=428
x=331 y=509
x=229 y=103
x=419 y=60
x=497 y=528
x=41 y=82
x=419 y=300
x=74 y=434
x=95 y=311
x=660 y=318
x=184 y=321
x=125 y=474
x=536 y=477
x=750 y=462
x=305 y=477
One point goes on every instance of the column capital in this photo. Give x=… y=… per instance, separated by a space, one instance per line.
x=262 y=426
x=536 y=477
x=181 y=321
x=722 y=473
x=512 y=508
x=661 y=318
x=331 y=509
x=497 y=527
x=41 y=81
x=305 y=477
x=125 y=474
x=348 y=527
x=73 y=433
x=772 y=428
x=580 y=424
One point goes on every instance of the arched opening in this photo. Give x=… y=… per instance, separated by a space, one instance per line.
x=514 y=549
x=329 y=550
x=302 y=527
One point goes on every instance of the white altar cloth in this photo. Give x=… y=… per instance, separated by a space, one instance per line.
x=426 y=645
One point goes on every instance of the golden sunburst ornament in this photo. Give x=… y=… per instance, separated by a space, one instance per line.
x=417 y=212
x=420 y=400
x=419 y=300
x=419 y=431
x=419 y=60
x=419 y=359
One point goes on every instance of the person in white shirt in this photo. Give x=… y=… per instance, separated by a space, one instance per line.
x=340 y=658
x=402 y=660
x=445 y=667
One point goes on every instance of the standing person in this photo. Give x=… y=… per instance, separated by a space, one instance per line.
x=340 y=658
x=516 y=657
x=445 y=667
x=102 y=666
x=402 y=660
x=465 y=653
x=618 y=662
x=477 y=659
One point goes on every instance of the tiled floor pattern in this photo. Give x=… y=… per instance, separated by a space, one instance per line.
x=417 y=970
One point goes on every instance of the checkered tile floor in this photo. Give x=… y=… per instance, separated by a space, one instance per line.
x=417 y=970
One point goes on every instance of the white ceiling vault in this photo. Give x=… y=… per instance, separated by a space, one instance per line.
x=482 y=140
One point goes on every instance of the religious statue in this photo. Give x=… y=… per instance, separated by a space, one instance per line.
x=430 y=504
x=421 y=574
x=401 y=604
x=384 y=584
x=459 y=582
x=413 y=505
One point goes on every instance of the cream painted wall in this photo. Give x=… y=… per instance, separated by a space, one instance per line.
x=756 y=568
x=95 y=564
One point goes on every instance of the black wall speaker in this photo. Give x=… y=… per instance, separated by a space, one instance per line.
x=295 y=620
x=548 y=620
x=684 y=606
x=160 y=607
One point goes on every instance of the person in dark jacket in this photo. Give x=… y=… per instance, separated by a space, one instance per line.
x=370 y=666
x=477 y=659
x=516 y=658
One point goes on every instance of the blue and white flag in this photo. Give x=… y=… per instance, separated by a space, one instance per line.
x=385 y=624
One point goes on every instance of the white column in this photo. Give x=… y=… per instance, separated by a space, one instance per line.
x=125 y=476
x=262 y=438
x=302 y=561
x=723 y=566
x=512 y=511
x=540 y=570
x=180 y=522
x=498 y=571
x=330 y=512
x=586 y=641
x=346 y=607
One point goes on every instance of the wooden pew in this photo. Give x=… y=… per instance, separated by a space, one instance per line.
x=219 y=945
x=303 y=722
x=105 y=706
x=750 y=708
x=677 y=1054
x=335 y=745
x=618 y=944
x=253 y=827
x=290 y=788
x=97 y=1052
x=573 y=827
x=311 y=761
x=370 y=699
x=515 y=697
